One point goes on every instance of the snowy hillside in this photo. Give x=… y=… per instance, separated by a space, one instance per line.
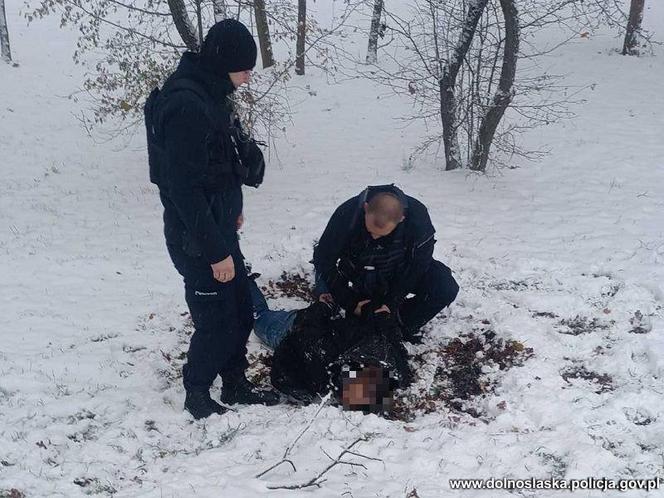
x=560 y=262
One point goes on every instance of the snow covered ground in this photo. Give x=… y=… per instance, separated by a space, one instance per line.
x=565 y=256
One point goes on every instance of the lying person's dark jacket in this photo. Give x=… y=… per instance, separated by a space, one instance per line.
x=309 y=360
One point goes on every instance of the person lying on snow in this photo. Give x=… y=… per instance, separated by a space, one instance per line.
x=317 y=351
x=376 y=251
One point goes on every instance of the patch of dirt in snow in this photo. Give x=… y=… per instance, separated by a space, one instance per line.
x=601 y=382
x=11 y=493
x=291 y=285
x=582 y=325
x=640 y=323
x=466 y=367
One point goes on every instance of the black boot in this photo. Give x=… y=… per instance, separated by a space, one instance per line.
x=237 y=389
x=201 y=405
x=410 y=333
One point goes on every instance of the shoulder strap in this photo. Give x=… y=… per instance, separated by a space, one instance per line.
x=212 y=110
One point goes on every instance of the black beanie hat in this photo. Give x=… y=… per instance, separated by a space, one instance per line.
x=229 y=47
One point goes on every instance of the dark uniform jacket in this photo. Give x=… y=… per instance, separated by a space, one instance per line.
x=198 y=167
x=355 y=267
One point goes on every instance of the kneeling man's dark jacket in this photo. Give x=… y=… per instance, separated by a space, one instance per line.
x=354 y=266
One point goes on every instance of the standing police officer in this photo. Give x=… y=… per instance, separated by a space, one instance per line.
x=200 y=158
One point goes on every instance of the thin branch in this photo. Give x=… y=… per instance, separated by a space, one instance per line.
x=138 y=9
x=364 y=456
x=288 y=66
x=124 y=28
x=317 y=480
x=290 y=447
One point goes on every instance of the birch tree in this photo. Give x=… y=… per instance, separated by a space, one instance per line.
x=448 y=77
x=183 y=24
x=375 y=32
x=5 y=48
x=220 y=10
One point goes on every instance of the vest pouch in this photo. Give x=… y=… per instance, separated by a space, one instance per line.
x=255 y=165
x=222 y=159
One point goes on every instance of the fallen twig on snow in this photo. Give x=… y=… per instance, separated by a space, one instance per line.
x=317 y=479
x=290 y=447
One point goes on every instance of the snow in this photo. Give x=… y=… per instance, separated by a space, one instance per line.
x=92 y=309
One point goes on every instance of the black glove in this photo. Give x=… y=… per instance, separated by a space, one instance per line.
x=320 y=311
x=343 y=295
x=386 y=325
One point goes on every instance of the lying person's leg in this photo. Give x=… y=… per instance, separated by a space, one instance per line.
x=269 y=326
x=436 y=290
x=257 y=298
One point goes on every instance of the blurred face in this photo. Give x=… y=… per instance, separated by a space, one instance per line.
x=360 y=389
x=240 y=78
x=376 y=231
x=357 y=392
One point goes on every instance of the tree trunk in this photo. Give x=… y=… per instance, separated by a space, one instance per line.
x=263 y=30
x=220 y=10
x=199 y=20
x=503 y=97
x=5 y=49
x=447 y=83
x=372 y=50
x=183 y=25
x=301 y=36
x=630 y=46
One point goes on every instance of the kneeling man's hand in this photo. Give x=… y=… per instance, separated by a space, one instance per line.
x=360 y=305
x=326 y=298
x=224 y=271
x=383 y=309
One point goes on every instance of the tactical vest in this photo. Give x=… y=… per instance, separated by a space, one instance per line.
x=372 y=264
x=233 y=157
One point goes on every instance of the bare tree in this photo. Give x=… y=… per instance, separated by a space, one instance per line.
x=630 y=46
x=595 y=13
x=198 y=5
x=130 y=46
x=183 y=24
x=263 y=30
x=301 y=36
x=220 y=10
x=377 y=29
x=5 y=48
x=503 y=96
x=447 y=82
x=457 y=61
